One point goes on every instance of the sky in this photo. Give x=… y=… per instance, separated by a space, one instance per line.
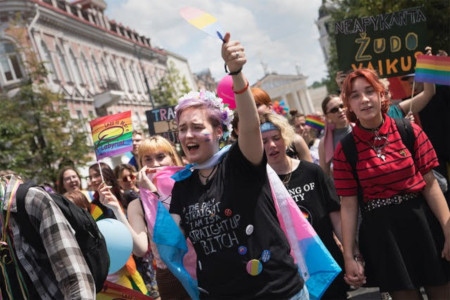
x=278 y=34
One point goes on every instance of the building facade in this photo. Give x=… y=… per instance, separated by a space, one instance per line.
x=100 y=66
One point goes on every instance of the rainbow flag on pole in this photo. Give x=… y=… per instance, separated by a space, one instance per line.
x=434 y=69
x=112 y=134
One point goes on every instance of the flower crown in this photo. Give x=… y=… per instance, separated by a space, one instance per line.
x=213 y=101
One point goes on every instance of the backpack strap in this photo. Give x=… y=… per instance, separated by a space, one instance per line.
x=351 y=154
x=15 y=283
x=407 y=133
x=30 y=234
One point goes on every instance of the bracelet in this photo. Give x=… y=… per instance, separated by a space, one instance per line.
x=232 y=73
x=236 y=72
x=241 y=91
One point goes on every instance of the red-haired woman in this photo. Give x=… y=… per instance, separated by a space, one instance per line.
x=405 y=229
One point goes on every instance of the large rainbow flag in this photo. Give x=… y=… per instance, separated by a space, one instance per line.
x=316 y=265
x=112 y=134
x=432 y=68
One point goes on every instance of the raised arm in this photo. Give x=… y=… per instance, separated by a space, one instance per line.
x=419 y=101
x=250 y=141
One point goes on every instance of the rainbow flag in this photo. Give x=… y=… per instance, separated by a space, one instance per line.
x=434 y=69
x=315 y=122
x=112 y=134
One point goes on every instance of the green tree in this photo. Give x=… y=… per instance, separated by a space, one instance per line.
x=436 y=11
x=170 y=87
x=37 y=134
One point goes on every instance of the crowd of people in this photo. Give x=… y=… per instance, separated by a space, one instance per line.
x=384 y=219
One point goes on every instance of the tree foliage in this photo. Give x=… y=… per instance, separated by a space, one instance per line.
x=436 y=11
x=37 y=134
x=170 y=87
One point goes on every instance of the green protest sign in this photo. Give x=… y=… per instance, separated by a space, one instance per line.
x=387 y=43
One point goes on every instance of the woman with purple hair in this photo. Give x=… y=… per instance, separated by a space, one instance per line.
x=222 y=200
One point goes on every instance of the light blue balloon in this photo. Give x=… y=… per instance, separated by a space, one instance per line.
x=119 y=242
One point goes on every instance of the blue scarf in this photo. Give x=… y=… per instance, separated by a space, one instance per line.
x=214 y=160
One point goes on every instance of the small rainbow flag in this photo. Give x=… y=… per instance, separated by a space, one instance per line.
x=434 y=69
x=112 y=134
x=315 y=122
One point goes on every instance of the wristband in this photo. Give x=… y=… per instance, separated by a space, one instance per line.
x=232 y=73
x=236 y=72
x=241 y=91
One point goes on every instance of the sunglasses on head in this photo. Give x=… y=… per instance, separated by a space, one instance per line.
x=336 y=109
x=125 y=178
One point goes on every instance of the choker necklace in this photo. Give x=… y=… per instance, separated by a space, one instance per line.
x=207 y=178
x=372 y=129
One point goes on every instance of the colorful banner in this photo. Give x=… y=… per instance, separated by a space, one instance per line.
x=434 y=69
x=112 y=291
x=161 y=121
x=112 y=134
x=387 y=43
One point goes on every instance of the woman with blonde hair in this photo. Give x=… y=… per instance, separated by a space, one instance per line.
x=310 y=188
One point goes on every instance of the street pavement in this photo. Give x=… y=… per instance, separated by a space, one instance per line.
x=370 y=294
x=365 y=294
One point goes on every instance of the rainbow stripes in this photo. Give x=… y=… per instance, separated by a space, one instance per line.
x=112 y=134
x=315 y=122
x=434 y=69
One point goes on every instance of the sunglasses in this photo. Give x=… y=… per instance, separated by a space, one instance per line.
x=336 y=109
x=125 y=178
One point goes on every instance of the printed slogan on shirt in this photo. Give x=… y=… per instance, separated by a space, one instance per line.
x=208 y=228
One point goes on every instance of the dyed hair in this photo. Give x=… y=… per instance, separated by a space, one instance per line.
x=218 y=114
x=326 y=100
x=158 y=143
x=373 y=79
x=119 y=169
x=110 y=180
x=261 y=97
x=281 y=123
x=60 y=183
x=79 y=198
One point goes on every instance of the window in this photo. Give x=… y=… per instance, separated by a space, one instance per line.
x=97 y=73
x=124 y=79
x=10 y=63
x=62 y=64
x=75 y=68
x=87 y=71
x=48 y=62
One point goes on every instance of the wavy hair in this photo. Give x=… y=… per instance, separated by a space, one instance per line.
x=372 y=77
